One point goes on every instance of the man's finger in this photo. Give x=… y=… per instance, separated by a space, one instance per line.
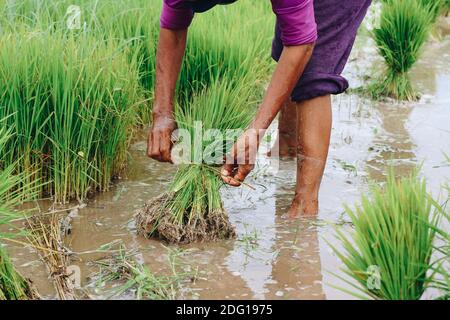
x=154 y=152
x=227 y=175
x=149 y=144
x=165 y=148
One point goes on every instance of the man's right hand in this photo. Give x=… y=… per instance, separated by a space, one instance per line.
x=160 y=143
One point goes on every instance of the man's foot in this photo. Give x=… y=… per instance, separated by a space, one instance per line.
x=303 y=207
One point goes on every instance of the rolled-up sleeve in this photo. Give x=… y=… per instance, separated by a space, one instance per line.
x=176 y=14
x=296 y=21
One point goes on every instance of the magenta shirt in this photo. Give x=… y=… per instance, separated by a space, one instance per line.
x=295 y=18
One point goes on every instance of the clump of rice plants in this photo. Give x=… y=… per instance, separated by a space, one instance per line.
x=130 y=24
x=394 y=231
x=404 y=29
x=72 y=102
x=13 y=286
x=192 y=209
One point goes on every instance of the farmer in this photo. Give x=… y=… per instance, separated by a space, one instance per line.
x=312 y=43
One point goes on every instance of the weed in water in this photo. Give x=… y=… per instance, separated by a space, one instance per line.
x=137 y=279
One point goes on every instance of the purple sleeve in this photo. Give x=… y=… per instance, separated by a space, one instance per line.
x=176 y=14
x=296 y=20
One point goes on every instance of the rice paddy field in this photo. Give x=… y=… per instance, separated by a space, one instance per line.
x=75 y=104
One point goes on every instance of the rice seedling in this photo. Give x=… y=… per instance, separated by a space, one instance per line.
x=72 y=102
x=137 y=279
x=403 y=31
x=192 y=209
x=13 y=286
x=394 y=232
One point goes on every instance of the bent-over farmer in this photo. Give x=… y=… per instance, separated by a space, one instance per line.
x=312 y=43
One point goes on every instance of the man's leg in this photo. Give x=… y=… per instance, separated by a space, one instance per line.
x=287 y=131
x=338 y=23
x=314 y=119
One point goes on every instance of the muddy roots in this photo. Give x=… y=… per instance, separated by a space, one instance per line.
x=155 y=220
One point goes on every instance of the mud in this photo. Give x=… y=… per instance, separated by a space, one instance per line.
x=273 y=256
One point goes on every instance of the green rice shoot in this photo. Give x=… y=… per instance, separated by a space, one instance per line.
x=394 y=231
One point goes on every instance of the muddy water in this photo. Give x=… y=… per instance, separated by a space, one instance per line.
x=275 y=257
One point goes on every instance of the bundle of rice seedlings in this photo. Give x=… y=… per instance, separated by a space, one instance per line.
x=404 y=29
x=388 y=254
x=13 y=286
x=72 y=101
x=192 y=209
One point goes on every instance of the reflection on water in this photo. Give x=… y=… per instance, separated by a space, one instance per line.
x=275 y=257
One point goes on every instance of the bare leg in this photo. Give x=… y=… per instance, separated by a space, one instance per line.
x=314 y=119
x=287 y=131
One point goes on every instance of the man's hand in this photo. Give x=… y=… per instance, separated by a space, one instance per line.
x=160 y=143
x=241 y=160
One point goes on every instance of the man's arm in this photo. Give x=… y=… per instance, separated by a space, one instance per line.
x=176 y=16
x=289 y=69
x=169 y=57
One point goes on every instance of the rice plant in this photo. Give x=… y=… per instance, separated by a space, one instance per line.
x=13 y=286
x=404 y=29
x=72 y=103
x=394 y=231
